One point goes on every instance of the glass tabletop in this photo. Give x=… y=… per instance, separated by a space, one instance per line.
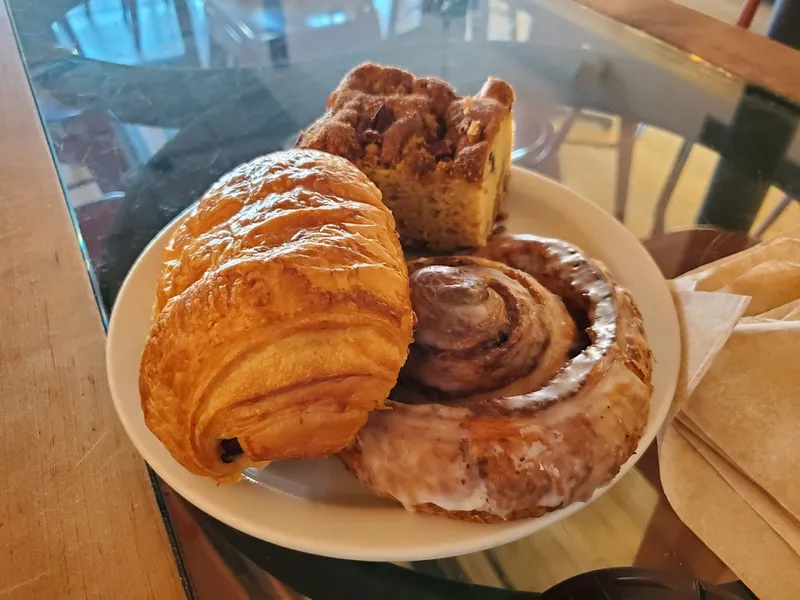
x=147 y=102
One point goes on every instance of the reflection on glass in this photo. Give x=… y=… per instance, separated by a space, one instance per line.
x=135 y=31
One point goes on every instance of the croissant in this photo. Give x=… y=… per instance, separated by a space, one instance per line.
x=282 y=317
x=527 y=387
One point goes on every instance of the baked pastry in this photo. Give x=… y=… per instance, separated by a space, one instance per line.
x=441 y=161
x=505 y=408
x=282 y=316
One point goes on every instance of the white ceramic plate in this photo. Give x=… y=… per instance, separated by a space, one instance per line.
x=316 y=506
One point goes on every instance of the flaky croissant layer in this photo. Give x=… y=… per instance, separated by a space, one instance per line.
x=282 y=316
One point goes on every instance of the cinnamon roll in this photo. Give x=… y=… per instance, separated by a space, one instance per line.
x=527 y=387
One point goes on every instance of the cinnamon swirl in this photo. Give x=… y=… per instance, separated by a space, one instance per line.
x=527 y=387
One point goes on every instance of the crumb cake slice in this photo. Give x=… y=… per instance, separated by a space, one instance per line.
x=442 y=161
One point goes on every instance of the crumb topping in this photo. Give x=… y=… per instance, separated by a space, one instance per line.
x=383 y=116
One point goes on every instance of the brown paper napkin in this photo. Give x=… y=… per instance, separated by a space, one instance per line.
x=748 y=405
x=707 y=321
x=727 y=524
x=785 y=312
x=729 y=464
x=782 y=523
x=715 y=275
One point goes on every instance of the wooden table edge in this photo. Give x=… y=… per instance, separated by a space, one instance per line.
x=740 y=52
x=78 y=517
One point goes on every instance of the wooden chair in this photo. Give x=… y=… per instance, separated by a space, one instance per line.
x=749 y=9
x=542 y=155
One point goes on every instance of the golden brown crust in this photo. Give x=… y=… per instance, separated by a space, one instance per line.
x=529 y=446
x=385 y=117
x=282 y=316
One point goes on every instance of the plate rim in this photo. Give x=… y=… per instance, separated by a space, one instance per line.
x=493 y=535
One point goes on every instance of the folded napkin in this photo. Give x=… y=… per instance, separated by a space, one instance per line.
x=730 y=460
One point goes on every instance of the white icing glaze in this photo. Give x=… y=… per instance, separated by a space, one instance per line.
x=531 y=452
x=475 y=498
x=551 y=499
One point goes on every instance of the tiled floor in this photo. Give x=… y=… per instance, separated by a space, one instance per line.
x=588 y=165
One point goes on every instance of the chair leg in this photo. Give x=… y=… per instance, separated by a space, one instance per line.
x=627 y=138
x=748 y=13
x=569 y=122
x=549 y=163
x=773 y=216
x=551 y=166
x=660 y=216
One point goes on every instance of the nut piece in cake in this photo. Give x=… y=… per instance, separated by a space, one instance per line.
x=442 y=161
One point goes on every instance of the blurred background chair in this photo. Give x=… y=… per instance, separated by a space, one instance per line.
x=542 y=155
x=748 y=13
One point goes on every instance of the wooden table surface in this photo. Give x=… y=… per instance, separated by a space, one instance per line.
x=78 y=517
